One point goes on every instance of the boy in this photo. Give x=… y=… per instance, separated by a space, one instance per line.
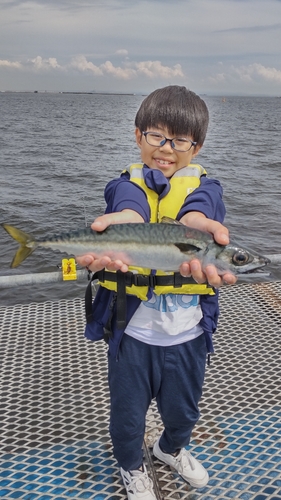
x=160 y=350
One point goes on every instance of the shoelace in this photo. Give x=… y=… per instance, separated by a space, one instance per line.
x=140 y=482
x=184 y=459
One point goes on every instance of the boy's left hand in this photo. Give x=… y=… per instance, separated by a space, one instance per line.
x=95 y=264
x=194 y=268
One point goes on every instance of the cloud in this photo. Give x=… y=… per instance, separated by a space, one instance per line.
x=248 y=29
x=122 y=52
x=86 y=4
x=256 y=70
x=9 y=64
x=128 y=71
x=38 y=64
x=253 y=73
x=44 y=64
x=117 y=72
x=153 y=69
x=80 y=63
x=59 y=4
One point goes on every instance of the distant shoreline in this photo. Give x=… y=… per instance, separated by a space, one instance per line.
x=67 y=92
x=80 y=92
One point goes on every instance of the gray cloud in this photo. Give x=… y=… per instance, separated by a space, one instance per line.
x=247 y=29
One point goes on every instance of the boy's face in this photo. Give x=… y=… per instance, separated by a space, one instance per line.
x=164 y=158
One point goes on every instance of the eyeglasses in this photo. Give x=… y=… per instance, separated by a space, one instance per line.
x=177 y=143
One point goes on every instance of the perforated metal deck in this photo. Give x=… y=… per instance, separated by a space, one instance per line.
x=54 y=406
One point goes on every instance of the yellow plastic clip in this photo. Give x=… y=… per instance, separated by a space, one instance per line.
x=69 y=269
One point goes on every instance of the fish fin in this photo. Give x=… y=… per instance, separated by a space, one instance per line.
x=21 y=254
x=186 y=247
x=169 y=220
x=27 y=244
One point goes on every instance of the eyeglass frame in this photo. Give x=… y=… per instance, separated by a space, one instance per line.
x=192 y=143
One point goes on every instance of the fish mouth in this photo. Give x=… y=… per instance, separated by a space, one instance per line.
x=254 y=273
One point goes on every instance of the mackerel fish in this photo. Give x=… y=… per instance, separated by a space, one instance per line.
x=164 y=246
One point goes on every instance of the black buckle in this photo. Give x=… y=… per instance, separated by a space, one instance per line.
x=152 y=280
x=178 y=280
x=143 y=280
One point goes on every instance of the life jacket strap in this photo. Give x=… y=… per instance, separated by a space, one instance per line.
x=150 y=280
x=121 y=310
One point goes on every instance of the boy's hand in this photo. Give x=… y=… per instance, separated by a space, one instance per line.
x=221 y=236
x=100 y=224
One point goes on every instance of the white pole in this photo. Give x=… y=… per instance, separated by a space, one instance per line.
x=31 y=279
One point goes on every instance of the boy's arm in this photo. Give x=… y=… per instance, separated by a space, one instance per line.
x=204 y=209
x=122 y=194
x=207 y=199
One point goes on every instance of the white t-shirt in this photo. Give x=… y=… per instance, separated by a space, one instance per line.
x=166 y=320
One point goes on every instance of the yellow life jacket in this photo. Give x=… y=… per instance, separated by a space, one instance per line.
x=182 y=183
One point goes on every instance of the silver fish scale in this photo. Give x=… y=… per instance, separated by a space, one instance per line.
x=137 y=233
x=55 y=406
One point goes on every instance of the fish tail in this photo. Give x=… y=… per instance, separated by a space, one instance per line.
x=26 y=242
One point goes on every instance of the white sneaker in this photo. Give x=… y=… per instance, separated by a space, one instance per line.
x=138 y=484
x=185 y=464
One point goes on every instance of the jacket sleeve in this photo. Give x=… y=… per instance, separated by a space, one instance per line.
x=207 y=198
x=121 y=194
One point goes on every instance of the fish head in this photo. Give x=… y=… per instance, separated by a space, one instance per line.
x=237 y=259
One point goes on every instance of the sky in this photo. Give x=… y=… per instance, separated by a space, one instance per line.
x=215 y=47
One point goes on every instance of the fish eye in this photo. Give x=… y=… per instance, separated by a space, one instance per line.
x=240 y=258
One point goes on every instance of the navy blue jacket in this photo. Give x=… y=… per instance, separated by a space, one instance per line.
x=123 y=194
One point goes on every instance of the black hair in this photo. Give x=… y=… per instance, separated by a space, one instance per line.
x=176 y=108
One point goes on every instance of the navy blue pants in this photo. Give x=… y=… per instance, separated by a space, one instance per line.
x=173 y=375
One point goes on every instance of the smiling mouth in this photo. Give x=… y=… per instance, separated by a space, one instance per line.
x=164 y=163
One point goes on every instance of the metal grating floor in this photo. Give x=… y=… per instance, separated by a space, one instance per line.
x=54 y=406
